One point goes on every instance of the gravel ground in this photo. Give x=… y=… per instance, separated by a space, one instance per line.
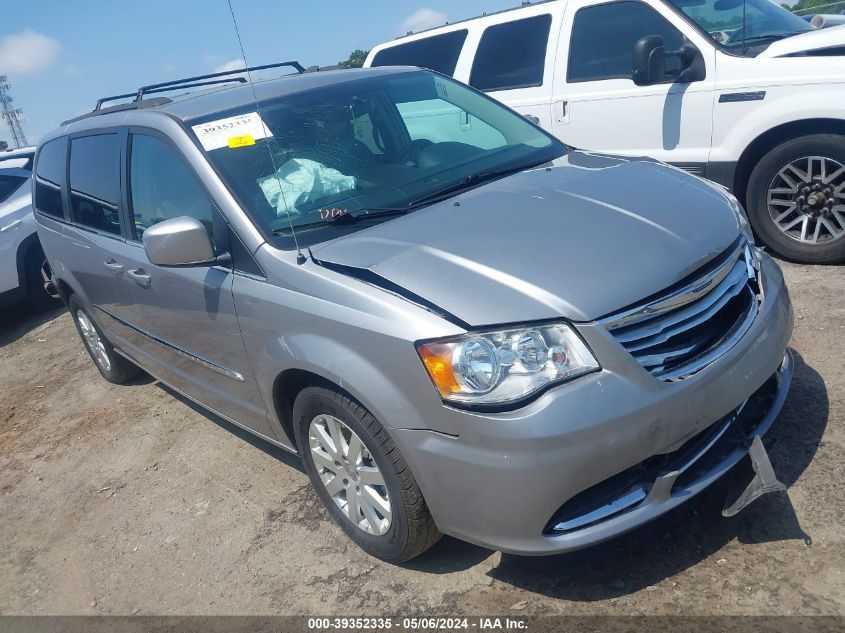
x=122 y=500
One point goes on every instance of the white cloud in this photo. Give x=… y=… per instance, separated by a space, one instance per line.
x=27 y=52
x=421 y=19
x=235 y=64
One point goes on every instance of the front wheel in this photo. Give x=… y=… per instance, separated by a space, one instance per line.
x=796 y=199
x=361 y=477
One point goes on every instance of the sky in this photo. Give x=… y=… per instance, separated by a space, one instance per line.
x=61 y=56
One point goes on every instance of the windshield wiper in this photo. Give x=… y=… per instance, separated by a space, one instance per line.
x=473 y=180
x=345 y=218
x=768 y=36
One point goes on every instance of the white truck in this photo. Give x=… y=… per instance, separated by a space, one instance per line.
x=742 y=92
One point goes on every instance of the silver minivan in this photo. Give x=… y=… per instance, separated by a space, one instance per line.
x=461 y=325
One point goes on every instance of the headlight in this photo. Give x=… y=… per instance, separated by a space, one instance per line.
x=501 y=366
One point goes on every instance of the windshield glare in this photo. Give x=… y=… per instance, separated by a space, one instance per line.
x=723 y=19
x=374 y=143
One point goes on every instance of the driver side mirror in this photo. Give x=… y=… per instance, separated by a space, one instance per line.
x=181 y=242
x=650 y=57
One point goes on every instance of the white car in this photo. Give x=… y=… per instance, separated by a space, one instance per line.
x=24 y=271
x=743 y=93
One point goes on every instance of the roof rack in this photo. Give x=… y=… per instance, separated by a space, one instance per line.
x=194 y=82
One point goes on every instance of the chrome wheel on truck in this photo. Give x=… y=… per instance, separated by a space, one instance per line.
x=796 y=199
x=806 y=199
x=350 y=474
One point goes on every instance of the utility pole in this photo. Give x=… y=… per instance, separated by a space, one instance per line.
x=11 y=114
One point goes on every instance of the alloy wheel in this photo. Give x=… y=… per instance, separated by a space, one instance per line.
x=806 y=199
x=349 y=474
x=93 y=341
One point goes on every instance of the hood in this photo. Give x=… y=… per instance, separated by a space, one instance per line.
x=821 y=41
x=584 y=238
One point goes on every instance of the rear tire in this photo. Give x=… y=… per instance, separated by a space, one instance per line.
x=404 y=529
x=793 y=174
x=113 y=367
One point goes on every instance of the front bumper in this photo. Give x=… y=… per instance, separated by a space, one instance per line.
x=506 y=481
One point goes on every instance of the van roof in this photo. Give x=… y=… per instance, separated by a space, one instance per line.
x=193 y=105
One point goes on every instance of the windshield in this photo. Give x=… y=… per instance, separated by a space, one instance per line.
x=723 y=20
x=363 y=148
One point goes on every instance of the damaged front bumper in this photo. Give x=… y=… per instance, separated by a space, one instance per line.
x=655 y=486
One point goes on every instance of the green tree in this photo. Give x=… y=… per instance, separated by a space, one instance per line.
x=356 y=59
x=810 y=7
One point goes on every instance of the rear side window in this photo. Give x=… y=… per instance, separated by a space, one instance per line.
x=512 y=55
x=161 y=186
x=8 y=185
x=603 y=39
x=439 y=53
x=95 y=182
x=50 y=177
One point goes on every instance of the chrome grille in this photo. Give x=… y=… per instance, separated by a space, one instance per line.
x=678 y=333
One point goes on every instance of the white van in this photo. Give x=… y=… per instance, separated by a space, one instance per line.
x=741 y=92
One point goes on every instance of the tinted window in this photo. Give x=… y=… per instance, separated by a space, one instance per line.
x=439 y=53
x=9 y=184
x=162 y=187
x=603 y=39
x=512 y=55
x=95 y=182
x=50 y=176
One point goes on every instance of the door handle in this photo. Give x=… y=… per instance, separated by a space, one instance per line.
x=140 y=277
x=113 y=266
x=11 y=225
x=562 y=112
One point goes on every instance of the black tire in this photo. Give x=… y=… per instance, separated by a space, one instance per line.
x=119 y=370
x=831 y=146
x=412 y=530
x=37 y=295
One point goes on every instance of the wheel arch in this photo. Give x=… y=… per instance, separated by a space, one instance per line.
x=773 y=137
x=29 y=245
x=287 y=386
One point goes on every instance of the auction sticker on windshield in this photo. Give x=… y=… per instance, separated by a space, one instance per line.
x=217 y=134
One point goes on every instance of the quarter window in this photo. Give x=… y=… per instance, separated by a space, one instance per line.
x=603 y=39
x=512 y=55
x=162 y=187
x=95 y=182
x=50 y=176
x=439 y=53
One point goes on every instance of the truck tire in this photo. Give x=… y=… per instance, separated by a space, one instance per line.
x=796 y=199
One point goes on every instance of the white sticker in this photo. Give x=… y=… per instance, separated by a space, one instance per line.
x=216 y=134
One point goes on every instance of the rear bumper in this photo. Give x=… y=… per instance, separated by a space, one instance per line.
x=506 y=479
